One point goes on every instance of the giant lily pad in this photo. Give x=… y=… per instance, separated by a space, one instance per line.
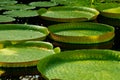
x=111 y=13
x=81 y=33
x=21 y=13
x=81 y=65
x=25 y=54
x=22 y=32
x=68 y=14
x=4 y=19
x=111 y=10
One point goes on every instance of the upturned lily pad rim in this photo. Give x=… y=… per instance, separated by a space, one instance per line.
x=73 y=56
x=73 y=2
x=46 y=46
x=40 y=29
x=111 y=14
x=108 y=35
x=102 y=7
x=65 y=8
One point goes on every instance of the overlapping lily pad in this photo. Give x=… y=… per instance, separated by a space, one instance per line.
x=81 y=65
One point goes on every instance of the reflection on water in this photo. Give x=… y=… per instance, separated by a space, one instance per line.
x=28 y=73
x=68 y=46
x=109 y=21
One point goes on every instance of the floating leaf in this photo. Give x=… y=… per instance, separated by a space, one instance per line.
x=81 y=33
x=81 y=65
x=22 y=32
x=4 y=19
x=7 y=2
x=68 y=14
x=25 y=54
x=21 y=13
x=73 y=2
x=17 y=7
x=42 y=4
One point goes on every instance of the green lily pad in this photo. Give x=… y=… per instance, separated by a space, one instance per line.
x=111 y=13
x=81 y=65
x=21 y=13
x=4 y=19
x=73 y=2
x=42 y=4
x=110 y=10
x=22 y=32
x=103 y=6
x=17 y=7
x=25 y=54
x=7 y=2
x=68 y=14
x=70 y=46
x=1 y=8
x=81 y=33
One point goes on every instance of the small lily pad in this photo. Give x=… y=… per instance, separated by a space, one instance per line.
x=42 y=4
x=81 y=33
x=4 y=19
x=81 y=65
x=21 y=13
x=17 y=7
